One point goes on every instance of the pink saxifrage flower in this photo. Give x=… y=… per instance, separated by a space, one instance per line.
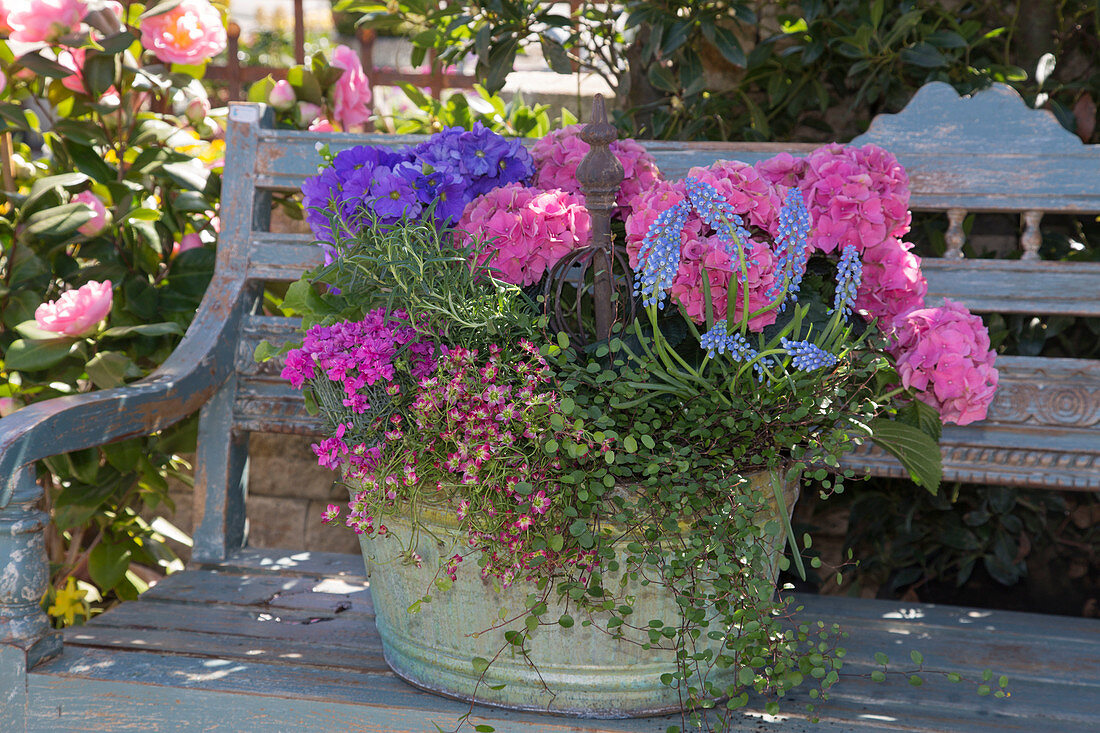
x=525 y=231
x=943 y=354
x=351 y=95
x=558 y=154
x=36 y=21
x=98 y=222
x=76 y=312
x=190 y=33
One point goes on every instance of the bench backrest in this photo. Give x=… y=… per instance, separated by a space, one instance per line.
x=989 y=152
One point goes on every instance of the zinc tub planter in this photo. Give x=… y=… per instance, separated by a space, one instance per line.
x=582 y=670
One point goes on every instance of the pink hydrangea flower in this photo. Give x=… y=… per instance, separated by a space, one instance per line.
x=709 y=252
x=98 y=222
x=76 y=312
x=750 y=194
x=36 y=21
x=648 y=206
x=525 y=231
x=351 y=95
x=943 y=354
x=892 y=283
x=558 y=154
x=782 y=170
x=857 y=196
x=190 y=33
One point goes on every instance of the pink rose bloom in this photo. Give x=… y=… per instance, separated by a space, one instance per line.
x=76 y=312
x=190 y=33
x=3 y=82
x=943 y=355
x=523 y=232
x=8 y=405
x=892 y=283
x=186 y=242
x=351 y=94
x=73 y=60
x=4 y=26
x=321 y=125
x=98 y=222
x=558 y=154
x=282 y=96
x=34 y=21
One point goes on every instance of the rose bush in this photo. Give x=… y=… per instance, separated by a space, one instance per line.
x=107 y=246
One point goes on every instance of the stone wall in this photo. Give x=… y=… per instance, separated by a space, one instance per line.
x=287 y=492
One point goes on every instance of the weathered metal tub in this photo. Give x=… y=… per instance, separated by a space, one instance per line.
x=581 y=671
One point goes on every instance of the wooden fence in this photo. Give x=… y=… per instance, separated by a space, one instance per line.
x=236 y=77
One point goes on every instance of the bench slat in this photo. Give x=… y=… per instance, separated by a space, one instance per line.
x=1064 y=183
x=1005 y=286
x=116 y=669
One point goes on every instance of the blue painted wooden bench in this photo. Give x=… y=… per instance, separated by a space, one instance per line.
x=249 y=640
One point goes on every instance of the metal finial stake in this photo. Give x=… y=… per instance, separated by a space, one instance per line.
x=600 y=174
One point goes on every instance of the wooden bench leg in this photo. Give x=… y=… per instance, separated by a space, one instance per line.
x=26 y=637
x=221 y=479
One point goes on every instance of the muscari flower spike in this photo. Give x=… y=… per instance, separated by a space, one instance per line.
x=717 y=213
x=807 y=356
x=790 y=244
x=660 y=255
x=718 y=339
x=849 y=274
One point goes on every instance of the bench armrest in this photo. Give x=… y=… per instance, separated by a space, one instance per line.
x=186 y=380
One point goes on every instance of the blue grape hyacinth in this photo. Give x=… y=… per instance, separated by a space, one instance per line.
x=718 y=339
x=849 y=274
x=717 y=213
x=659 y=256
x=790 y=245
x=807 y=356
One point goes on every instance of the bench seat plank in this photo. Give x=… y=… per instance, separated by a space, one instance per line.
x=205 y=645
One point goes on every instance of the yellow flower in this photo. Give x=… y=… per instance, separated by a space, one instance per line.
x=69 y=602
